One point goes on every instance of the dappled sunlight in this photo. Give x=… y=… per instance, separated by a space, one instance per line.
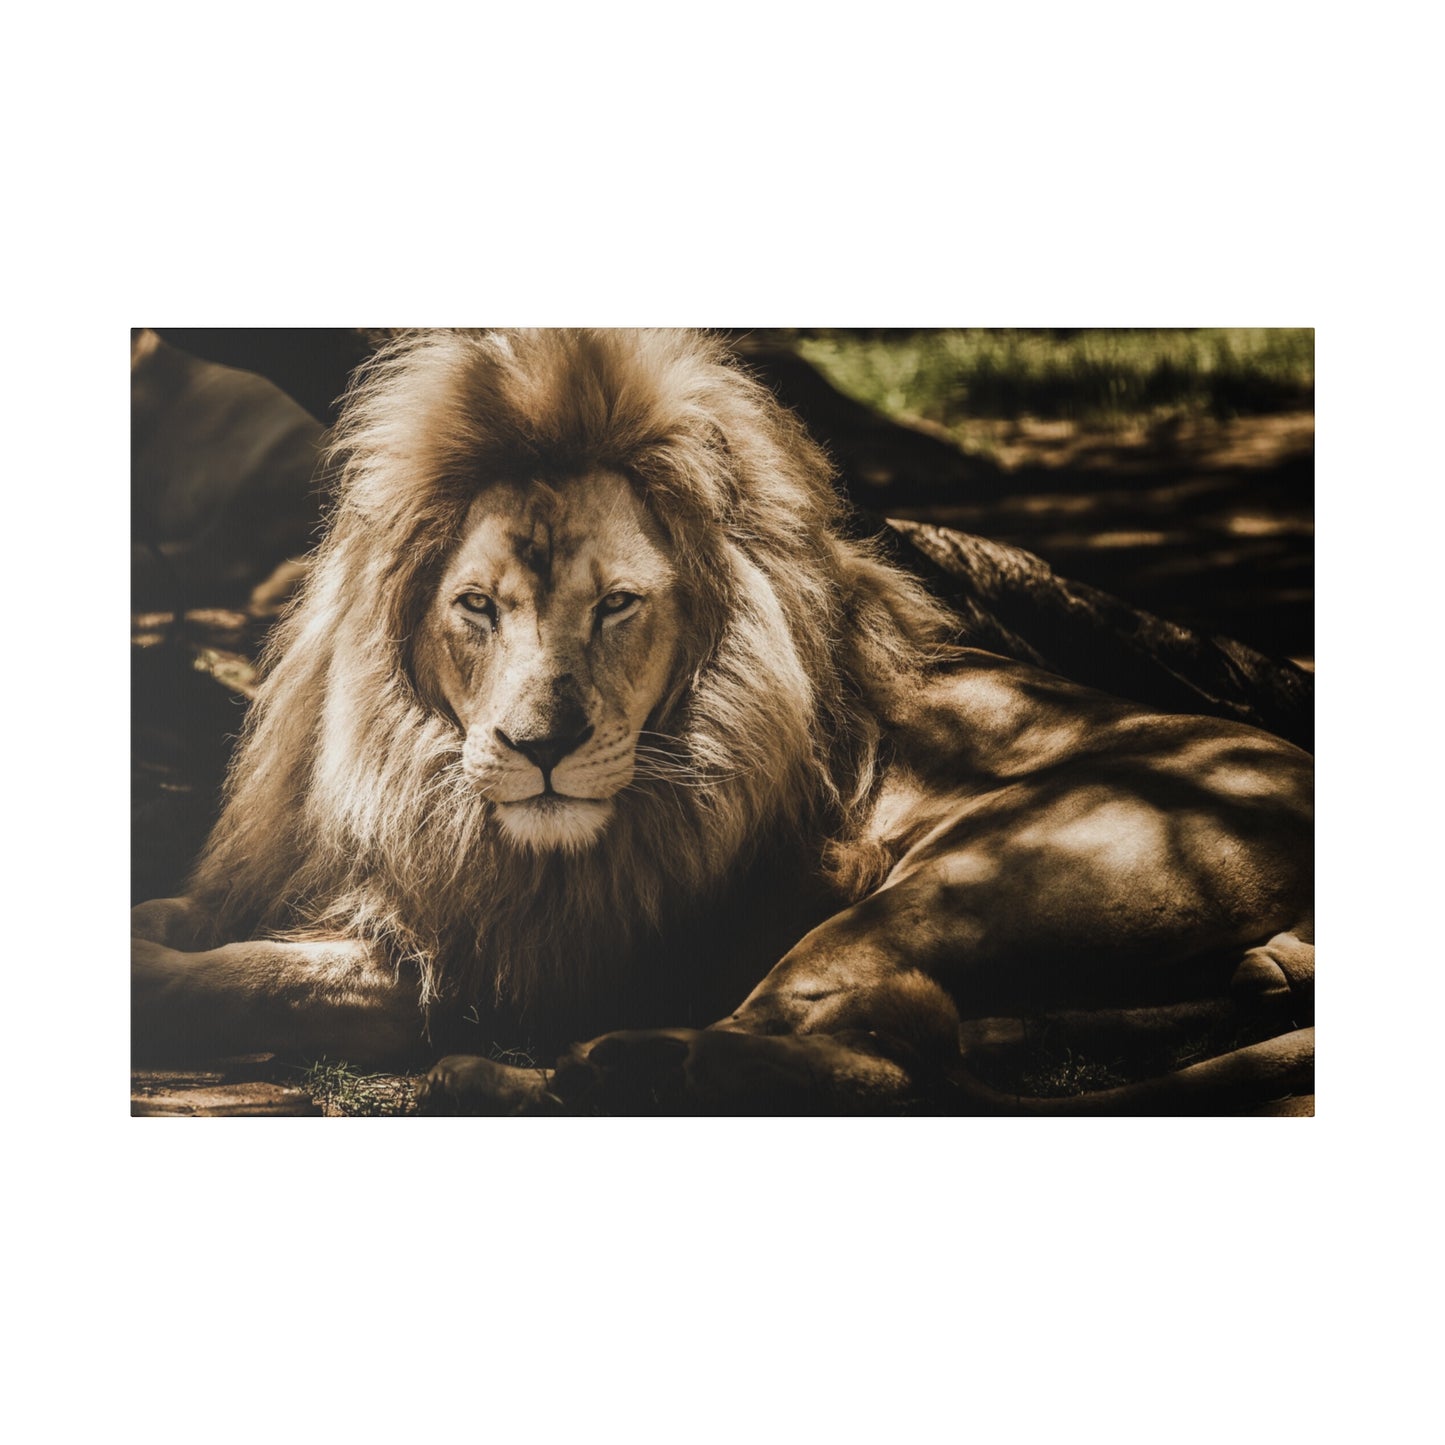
x=987 y=719
x=967 y=868
x=1099 y=848
x=1239 y=782
x=1133 y=539
x=1101 y=833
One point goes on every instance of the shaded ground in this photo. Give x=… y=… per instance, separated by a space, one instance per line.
x=1210 y=524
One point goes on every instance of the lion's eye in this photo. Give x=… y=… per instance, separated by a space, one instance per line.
x=479 y=605
x=615 y=604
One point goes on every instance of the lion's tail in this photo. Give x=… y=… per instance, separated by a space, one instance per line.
x=1261 y=1073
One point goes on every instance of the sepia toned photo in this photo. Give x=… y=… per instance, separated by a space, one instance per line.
x=802 y=722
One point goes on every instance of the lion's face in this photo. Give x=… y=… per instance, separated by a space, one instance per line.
x=552 y=637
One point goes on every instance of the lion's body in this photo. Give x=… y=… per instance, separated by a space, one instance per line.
x=590 y=709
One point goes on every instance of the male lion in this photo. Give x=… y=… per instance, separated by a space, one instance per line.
x=592 y=710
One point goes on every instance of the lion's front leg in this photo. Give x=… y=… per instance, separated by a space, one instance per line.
x=679 y=1071
x=305 y=998
x=717 y=1071
x=848 y=1022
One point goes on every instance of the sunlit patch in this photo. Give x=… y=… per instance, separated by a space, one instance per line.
x=547 y=824
x=1133 y=539
x=901 y=800
x=1118 y=834
x=965 y=869
x=1241 y=781
x=1248 y=524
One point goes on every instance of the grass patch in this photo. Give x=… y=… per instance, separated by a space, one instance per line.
x=342 y=1090
x=1108 y=379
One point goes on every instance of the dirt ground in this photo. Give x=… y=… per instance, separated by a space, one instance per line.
x=263 y=1085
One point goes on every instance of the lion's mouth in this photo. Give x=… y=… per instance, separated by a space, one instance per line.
x=552 y=821
x=549 y=797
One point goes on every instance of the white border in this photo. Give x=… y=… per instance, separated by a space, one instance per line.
x=1260 y=164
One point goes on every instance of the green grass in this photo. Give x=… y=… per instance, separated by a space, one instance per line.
x=1108 y=379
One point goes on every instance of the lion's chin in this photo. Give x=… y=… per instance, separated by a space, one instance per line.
x=548 y=823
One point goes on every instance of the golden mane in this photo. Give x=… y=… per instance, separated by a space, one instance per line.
x=347 y=812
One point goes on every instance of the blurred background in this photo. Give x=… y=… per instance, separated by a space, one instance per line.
x=1172 y=468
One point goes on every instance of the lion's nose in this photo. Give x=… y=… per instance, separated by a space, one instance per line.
x=546 y=750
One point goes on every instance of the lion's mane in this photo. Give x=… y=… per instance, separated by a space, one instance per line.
x=347 y=812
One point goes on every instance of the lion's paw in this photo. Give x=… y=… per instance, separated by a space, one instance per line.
x=470 y=1084
x=709 y=1071
x=637 y=1071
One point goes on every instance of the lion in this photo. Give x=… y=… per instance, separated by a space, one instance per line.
x=596 y=714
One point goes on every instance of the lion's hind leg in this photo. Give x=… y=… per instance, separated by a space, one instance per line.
x=1231 y=1050
x=1278 y=972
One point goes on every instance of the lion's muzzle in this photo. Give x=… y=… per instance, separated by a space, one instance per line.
x=545 y=749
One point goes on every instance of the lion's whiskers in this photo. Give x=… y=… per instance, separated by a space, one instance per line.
x=654 y=765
